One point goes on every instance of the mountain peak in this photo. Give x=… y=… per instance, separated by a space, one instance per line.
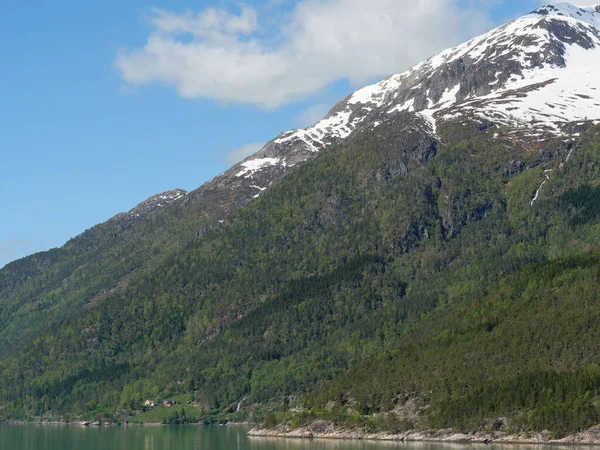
x=569 y=10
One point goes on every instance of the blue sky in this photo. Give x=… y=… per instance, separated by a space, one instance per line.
x=104 y=104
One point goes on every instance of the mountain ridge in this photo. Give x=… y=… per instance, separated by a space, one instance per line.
x=277 y=157
x=537 y=48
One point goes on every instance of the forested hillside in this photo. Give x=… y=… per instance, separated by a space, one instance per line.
x=421 y=261
x=40 y=289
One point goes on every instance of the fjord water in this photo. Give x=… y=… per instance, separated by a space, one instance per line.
x=63 y=437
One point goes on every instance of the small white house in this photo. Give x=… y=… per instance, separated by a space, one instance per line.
x=149 y=403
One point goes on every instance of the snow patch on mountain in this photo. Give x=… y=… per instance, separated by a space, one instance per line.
x=252 y=166
x=151 y=204
x=552 y=99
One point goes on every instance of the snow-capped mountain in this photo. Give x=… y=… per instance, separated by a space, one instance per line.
x=536 y=75
x=538 y=72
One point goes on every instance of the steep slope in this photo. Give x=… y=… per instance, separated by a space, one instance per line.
x=534 y=78
x=46 y=286
x=85 y=241
x=39 y=289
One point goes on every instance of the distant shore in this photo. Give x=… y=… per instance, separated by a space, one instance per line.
x=323 y=430
x=95 y=424
x=79 y=423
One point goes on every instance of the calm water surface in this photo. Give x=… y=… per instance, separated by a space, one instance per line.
x=57 y=437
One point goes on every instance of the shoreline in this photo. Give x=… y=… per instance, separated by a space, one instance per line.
x=588 y=437
x=328 y=431
x=97 y=424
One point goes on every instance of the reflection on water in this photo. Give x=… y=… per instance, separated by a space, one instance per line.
x=261 y=443
x=57 y=437
x=257 y=443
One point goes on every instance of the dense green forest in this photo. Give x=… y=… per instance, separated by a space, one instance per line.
x=39 y=290
x=392 y=270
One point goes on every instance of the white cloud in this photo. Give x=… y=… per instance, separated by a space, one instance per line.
x=227 y=57
x=211 y=23
x=240 y=153
x=312 y=115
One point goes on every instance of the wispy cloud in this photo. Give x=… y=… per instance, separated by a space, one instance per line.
x=230 y=57
x=312 y=115
x=238 y=154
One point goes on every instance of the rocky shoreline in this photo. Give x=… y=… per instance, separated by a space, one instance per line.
x=326 y=430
